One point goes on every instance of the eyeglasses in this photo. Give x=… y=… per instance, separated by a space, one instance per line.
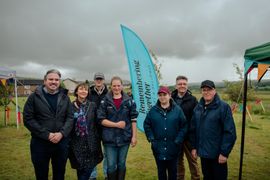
x=207 y=90
x=182 y=84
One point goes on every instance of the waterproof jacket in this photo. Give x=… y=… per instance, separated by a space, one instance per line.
x=85 y=152
x=93 y=96
x=212 y=130
x=40 y=119
x=165 y=130
x=126 y=112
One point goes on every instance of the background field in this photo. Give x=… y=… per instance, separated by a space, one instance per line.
x=16 y=162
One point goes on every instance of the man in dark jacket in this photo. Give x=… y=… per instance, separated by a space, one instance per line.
x=183 y=98
x=99 y=90
x=212 y=133
x=165 y=128
x=96 y=94
x=48 y=116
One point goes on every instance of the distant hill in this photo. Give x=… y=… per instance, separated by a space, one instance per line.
x=263 y=85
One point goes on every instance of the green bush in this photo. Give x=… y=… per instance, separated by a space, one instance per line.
x=234 y=91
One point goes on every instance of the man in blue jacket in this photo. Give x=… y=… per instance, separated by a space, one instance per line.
x=212 y=133
x=165 y=128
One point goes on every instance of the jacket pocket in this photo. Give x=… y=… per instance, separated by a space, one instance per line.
x=173 y=148
x=108 y=135
x=110 y=111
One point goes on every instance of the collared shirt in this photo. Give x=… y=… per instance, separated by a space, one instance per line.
x=99 y=92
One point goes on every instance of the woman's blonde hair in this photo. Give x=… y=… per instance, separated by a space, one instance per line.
x=116 y=78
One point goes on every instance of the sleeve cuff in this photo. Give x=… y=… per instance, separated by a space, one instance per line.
x=224 y=154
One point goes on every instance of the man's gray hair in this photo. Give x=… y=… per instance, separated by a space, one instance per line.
x=52 y=71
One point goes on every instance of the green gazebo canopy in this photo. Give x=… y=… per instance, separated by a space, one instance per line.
x=257 y=55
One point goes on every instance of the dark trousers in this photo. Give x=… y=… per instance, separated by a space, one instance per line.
x=43 y=151
x=212 y=170
x=84 y=174
x=166 y=166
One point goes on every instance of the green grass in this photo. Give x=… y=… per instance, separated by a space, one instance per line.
x=16 y=161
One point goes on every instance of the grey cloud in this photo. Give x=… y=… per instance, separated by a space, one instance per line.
x=84 y=36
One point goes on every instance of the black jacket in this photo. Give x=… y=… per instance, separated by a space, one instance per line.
x=85 y=152
x=126 y=112
x=187 y=104
x=93 y=96
x=40 y=119
x=165 y=130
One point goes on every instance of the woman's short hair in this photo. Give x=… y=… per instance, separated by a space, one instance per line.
x=85 y=85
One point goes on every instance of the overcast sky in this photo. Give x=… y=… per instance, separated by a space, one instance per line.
x=197 y=38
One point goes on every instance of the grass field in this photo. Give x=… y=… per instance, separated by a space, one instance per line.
x=16 y=162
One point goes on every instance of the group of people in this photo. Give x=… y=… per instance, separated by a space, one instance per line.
x=175 y=126
x=179 y=125
x=64 y=130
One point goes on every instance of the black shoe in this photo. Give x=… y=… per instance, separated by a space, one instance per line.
x=121 y=174
x=112 y=176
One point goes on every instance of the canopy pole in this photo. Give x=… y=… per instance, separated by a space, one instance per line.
x=243 y=125
x=16 y=98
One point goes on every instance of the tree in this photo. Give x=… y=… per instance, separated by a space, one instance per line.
x=87 y=82
x=157 y=65
x=6 y=92
x=234 y=89
x=62 y=84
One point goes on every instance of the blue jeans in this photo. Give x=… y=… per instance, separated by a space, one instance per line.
x=116 y=157
x=43 y=151
x=94 y=172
